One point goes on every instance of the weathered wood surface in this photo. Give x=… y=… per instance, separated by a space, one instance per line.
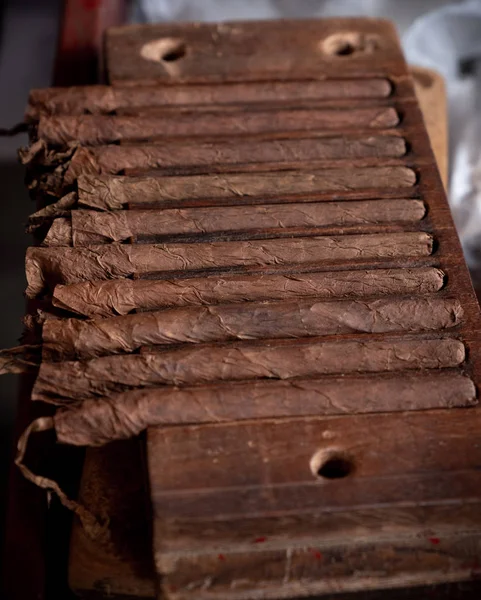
x=315 y=471
x=244 y=51
x=431 y=94
x=123 y=567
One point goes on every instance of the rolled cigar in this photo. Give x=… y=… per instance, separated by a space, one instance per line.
x=65 y=339
x=46 y=267
x=101 y=99
x=94 y=130
x=85 y=228
x=113 y=160
x=200 y=363
x=110 y=192
x=122 y=296
x=97 y=422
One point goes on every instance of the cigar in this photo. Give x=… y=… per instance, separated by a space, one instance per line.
x=100 y=421
x=197 y=364
x=46 y=267
x=114 y=160
x=85 y=228
x=95 y=130
x=96 y=299
x=67 y=339
x=104 y=160
x=114 y=193
x=110 y=192
x=101 y=99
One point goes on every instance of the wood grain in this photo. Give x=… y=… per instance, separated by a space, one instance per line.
x=282 y=457
x=243 y=51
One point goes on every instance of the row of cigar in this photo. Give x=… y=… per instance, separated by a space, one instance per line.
x=199 y=260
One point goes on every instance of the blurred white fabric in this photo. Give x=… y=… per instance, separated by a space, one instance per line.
x=438 y=34
x=449 y=40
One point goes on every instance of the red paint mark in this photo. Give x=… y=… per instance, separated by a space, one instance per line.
x=172 y=588
x=434 y=540
x=221 y=557
x=260 y=540
x=317 y=555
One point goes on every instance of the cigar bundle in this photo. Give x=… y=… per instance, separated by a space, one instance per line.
x=211 y=252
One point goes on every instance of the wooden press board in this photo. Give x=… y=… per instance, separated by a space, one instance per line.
x=430 y=559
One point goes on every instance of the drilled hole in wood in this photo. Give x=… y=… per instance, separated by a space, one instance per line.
x=166 y=50
x=177 y=52
x=348 y=43
x=331 y=464
x=345 y=49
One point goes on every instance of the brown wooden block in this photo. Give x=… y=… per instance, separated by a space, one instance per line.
x=113 y=486
x=295 y=476
x=251 y=51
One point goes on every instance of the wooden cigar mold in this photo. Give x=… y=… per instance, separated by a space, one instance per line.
x=245 y=249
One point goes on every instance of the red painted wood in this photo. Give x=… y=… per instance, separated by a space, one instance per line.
x=80 y=49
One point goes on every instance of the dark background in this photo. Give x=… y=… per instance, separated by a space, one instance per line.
x=28 y=37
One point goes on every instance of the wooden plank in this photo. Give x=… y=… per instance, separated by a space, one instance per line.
x=294 y=472
x=243 y=51
x=123 y=566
